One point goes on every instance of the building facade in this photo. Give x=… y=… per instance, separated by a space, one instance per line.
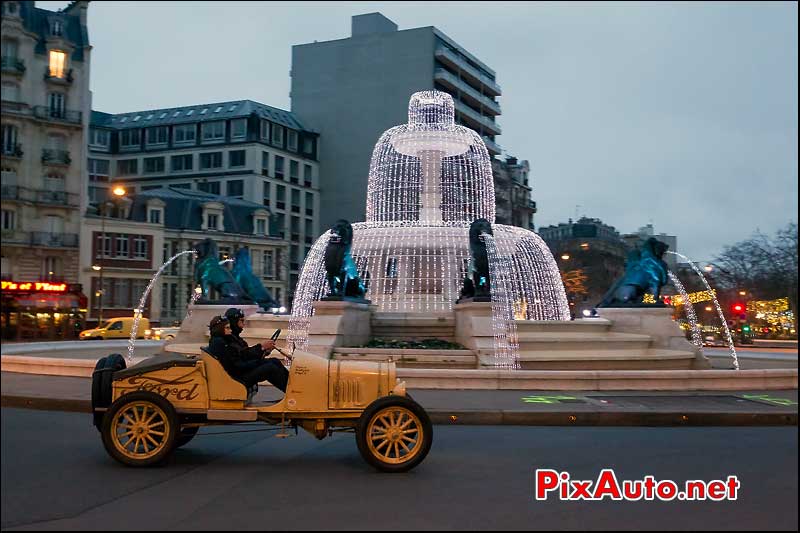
x=352 y=90
x=512 y=190
x=240 y=150
x=46 y=59
x=149 y=228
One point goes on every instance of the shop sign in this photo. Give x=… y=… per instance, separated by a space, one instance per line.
x=37 y=286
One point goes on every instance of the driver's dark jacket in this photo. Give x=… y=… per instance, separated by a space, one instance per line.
x=235 y=356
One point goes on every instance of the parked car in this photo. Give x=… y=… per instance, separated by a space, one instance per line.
x=167 y=333
x=116 y=328
x=145 y=412
x=710 y=340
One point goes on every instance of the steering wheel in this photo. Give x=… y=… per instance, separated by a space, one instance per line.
x=276 y=335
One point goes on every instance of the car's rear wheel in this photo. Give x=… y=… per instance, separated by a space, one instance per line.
x=394 y=434
x=140 y=429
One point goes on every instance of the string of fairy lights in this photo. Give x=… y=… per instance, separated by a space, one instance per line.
x=428 y=181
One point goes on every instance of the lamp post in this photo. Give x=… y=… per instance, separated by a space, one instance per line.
x=118 y=192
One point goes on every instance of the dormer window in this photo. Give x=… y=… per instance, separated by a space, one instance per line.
x=260 y=222
x=58 y=63
x=154 y=215
x=11 y=9
x=57 y=27
x=212 y=221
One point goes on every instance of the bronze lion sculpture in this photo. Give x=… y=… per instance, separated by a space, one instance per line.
x=211 y=276
x=340 y=268
x=645 y=273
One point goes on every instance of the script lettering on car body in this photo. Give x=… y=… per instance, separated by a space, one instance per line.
x=301 y=370
x=166 y=387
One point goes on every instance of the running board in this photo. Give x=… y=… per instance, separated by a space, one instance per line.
x=231 y=414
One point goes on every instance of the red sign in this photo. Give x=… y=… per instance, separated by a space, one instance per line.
x=36 y=286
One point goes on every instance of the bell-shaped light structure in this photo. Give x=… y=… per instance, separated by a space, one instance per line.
x=428 y=181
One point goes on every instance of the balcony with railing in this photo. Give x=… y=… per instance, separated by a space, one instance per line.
x=65 y=79
x=56 y=240
x=477 y=119
x=57 y=115
x=13 y=65
x=455 y=61
x=55 y=157
x=39 y=196
x=491 y=146
x=13 y=151
x=448 y=78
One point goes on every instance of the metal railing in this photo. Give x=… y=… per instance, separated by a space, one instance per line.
x=13 y=64
x=465 y=110
x=13 y=151
x=59 y=157
x=58 y=115
x=463 y=87
x=468 y=69
x=44 y=238
x=15 y=192
x=61 y=79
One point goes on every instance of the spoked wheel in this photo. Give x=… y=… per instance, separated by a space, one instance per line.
x=394 y=434
x=140 y=429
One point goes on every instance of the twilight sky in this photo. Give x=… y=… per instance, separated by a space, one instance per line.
x=679 y=114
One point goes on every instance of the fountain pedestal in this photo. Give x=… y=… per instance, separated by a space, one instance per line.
x=338 y=323
x=658 y=324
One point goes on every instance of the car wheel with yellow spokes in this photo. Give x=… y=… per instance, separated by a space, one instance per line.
x=140 y=429
x=394 y=434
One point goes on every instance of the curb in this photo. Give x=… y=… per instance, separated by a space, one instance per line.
x=457 y=417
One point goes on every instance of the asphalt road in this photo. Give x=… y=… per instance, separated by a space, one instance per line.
x=57 y=476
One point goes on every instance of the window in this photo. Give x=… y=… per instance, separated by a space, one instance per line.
x=265 y=163
x=308 y=176
x=122 y=295
x=127 y=167
x=235 y=188
x=291 y=140
x=122 y=245
x=57 y=28
x=239 y=128
x=130 y=138
x=9 y=219
x=309 y=204
x=54 y=183
x=99 y=138
x=115 y=325
x=181 y=185
x=157 y=135
x=308 y=145
x=210 y=160
x=295 y=229
x=266 y=193
x=140 y=247
x=57 y=104
x=10 y=47
x=212 y=221
x=154 y=216
x=104 y=247
x=211 y=187
x=10 y=92
x=261 y=226
x=280 y=197
x=268 y=264
x=309 y=230
x=279 y=167
x=295 y=200
x=277 y=135
x=294 y=170
x=51 y=268
x=185 y=133
x=294 y=259
x=58 y=62
x=180 y=163
x=213 y=131
x=236 y=158
x=265 y=130
x=153 y=165
x=10 y=133
x=280 y=224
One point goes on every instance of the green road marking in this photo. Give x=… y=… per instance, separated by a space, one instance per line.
x=767 y=398
x=549 y=399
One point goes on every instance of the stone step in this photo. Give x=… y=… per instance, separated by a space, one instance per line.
x=547 y=341
x=600 y=360
x=588 y=325
x=408 y=358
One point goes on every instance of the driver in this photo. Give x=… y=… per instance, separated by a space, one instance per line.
x=248 y=365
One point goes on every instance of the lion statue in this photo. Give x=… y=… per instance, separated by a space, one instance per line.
x=243 y=274
x=210 y=275
x=342 y=274
x=478 y=283
x=645 y=273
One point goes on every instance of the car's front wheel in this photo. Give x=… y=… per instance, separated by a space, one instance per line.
x=394 y=434
x=140 y=429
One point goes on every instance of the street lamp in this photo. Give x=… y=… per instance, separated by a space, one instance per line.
x=708 y=268
x=118 y=193
x=565 y=257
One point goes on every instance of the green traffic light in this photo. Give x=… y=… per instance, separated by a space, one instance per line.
x=746 y=328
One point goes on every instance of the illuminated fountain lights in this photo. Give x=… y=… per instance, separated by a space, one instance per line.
x=697 y=339
x=428 y=181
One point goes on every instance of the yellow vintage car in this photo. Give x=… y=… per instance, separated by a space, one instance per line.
x=148 y=410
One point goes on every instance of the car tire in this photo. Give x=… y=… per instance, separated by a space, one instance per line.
x=380 y=436
x=146 y=418
x=102 y=384
x=186 y=435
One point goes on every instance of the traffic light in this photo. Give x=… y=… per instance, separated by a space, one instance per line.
x=738 y=308
x=746 y=328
